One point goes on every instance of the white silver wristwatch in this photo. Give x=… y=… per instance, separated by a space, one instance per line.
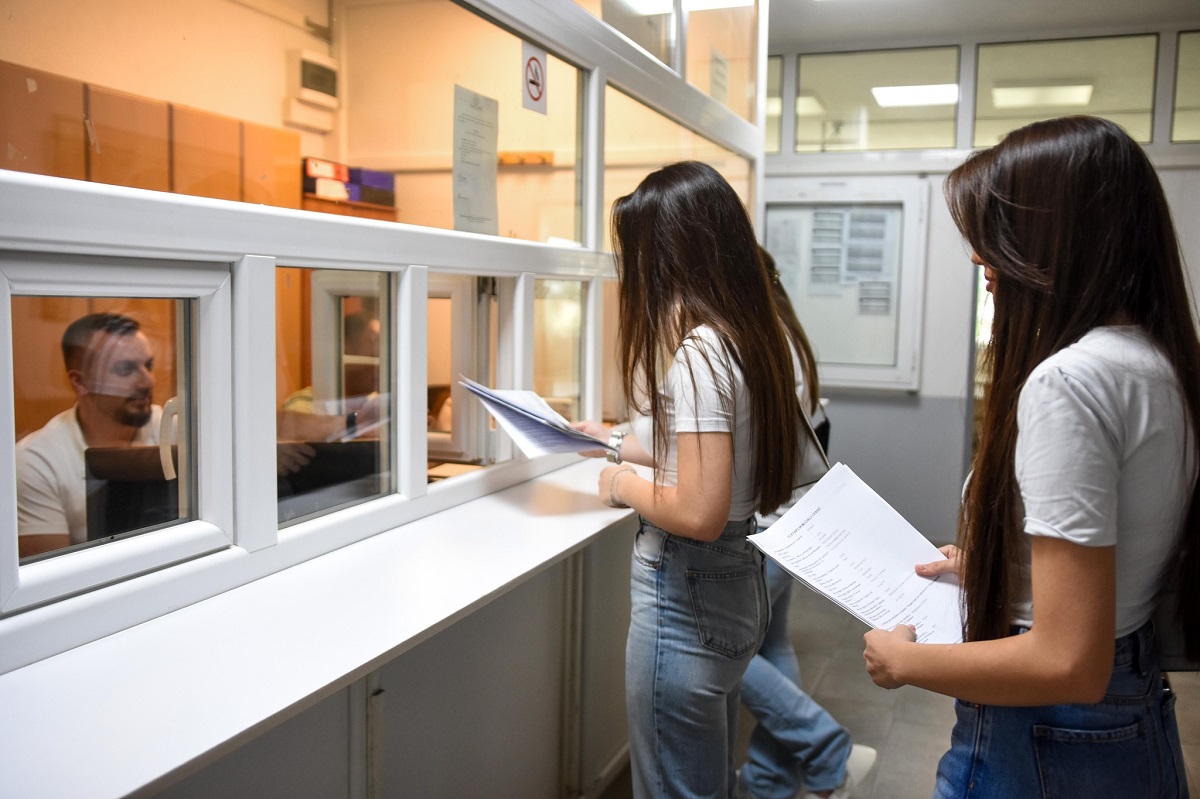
x=614 y=441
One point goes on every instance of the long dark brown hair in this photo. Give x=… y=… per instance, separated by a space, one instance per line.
x=686 y=257
x=795 y=331
x=1071 y=216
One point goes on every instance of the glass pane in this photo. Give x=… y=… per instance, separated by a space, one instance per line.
x=1186 y=125
x=773 y=136
x=721 y=53
x=103 y=418
x=235 y=108
x=649 y=23
x=558 y=345
x=462 y=339
x=639 y=140
x=332 y=377
x=1025 y=82
x=887 y=100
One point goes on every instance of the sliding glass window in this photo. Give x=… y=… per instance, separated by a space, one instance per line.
x=1024 y=82
x=721 y=51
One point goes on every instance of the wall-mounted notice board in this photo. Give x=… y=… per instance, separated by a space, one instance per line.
x=851 y=254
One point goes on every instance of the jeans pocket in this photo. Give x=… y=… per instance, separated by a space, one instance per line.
x=730 y=609
x=648 y=546
x=1090 y=763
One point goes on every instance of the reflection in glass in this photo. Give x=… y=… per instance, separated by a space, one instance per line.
x=332 y=378
x=558 y=345
x=842 y=102
x=102 y=417
x=1024 y=82
x=721 y=52
x=1186 y=124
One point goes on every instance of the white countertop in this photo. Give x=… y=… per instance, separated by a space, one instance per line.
x=159 y=695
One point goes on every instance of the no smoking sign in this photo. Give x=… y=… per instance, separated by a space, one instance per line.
x=533 y=78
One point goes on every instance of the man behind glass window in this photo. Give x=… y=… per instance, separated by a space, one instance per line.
x=109 y=365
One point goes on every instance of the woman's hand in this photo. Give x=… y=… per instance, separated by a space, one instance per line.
x=948 y=566
x=595 y=430
x=882 y=651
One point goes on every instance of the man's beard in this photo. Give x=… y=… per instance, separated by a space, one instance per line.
x=135 y=416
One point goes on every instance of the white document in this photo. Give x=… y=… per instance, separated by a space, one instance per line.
x=535 y=427
x=845 y=542
x=476 y=133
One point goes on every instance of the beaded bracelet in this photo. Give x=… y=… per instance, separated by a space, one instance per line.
x=613 y=499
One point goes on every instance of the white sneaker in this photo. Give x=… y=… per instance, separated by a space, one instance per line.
x=858 y=765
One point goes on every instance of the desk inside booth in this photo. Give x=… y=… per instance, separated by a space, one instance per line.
x=128 y=491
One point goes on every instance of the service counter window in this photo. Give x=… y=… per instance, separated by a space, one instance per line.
x=103 y=427
x=1022 y=82
x=235 y=108
x=721 y=51
x=333 y=412
x=463 y=339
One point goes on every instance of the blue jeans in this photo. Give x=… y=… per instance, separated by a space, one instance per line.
x=699 y=613
x=1126 y=745
x=795 y=736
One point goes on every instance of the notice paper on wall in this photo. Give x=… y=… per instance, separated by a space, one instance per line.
x=846 y=543
x=535 y=427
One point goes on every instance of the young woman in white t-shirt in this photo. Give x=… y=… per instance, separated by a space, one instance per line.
x=1083 y=500
x=706 y=365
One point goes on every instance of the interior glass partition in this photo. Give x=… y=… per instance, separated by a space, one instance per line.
x=1023 y=82
x=648 y=23
x=721 y=53
x=1185 y=125
x=883 y=100
x=209 y=111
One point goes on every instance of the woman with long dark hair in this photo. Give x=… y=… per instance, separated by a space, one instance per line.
x=706 y=366
x=1083 y=501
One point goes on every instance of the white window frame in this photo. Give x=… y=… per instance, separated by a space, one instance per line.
x=207 y=285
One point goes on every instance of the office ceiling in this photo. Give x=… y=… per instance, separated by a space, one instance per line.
x=798 y=25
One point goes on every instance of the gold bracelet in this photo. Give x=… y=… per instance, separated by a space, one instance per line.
x=613 y=499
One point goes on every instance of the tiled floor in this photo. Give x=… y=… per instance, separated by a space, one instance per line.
x=910 y=727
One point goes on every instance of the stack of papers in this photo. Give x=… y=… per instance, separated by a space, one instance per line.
x=846 y=543
x=535 y=427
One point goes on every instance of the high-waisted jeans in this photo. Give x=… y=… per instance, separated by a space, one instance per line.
x=699 y=613
x=1126 y=745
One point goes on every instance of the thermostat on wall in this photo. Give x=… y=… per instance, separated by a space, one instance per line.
x=313 y=78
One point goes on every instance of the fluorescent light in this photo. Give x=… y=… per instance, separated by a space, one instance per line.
x=932 y=94
x=1068 y=94
x=774 y=106
x=807 y=105
x=713 y=5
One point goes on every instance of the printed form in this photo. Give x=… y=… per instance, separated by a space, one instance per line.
x=845 y=542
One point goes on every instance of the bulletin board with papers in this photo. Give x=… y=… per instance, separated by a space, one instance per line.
x=851 y=255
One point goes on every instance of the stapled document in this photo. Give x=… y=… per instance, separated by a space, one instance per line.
x=535 y=427
x=847 y=543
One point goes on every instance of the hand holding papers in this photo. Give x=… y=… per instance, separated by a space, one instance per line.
x=532 y=424
x=846 y=543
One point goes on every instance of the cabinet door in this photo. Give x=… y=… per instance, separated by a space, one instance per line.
x=270 y=166
x=41 y=123
x=206 y=154
x=128 y=140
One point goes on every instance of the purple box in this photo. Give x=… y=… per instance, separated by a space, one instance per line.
x=373 y=178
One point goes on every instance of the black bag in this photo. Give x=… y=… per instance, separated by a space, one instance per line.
x=1168 y=632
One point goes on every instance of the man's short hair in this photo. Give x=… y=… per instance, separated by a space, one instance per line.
x=78 y=336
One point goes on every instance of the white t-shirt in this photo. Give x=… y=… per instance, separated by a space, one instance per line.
x=51 y=486
x=695 y=406
x=1100 y=460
